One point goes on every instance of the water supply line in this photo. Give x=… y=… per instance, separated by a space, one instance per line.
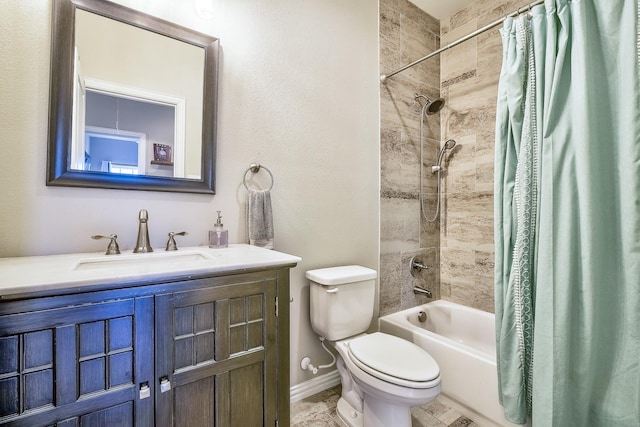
x=306 y=361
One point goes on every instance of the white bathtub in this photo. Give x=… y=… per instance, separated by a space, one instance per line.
x=462 y=341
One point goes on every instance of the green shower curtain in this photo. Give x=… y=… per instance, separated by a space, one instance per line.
x=567 y=215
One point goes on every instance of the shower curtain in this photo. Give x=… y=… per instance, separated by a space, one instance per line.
x=567 y=215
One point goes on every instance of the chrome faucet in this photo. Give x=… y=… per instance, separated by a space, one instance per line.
x=422 y=291
x=143 y=244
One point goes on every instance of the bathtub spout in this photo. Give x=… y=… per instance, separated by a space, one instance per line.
x=421 y=291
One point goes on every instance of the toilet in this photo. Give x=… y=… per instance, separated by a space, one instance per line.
x=382 y=376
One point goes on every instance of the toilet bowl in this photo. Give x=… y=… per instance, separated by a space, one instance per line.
x=388 y=385
x=382 y=375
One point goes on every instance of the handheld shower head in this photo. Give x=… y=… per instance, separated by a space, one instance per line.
x=448 y=145
x=431 y=106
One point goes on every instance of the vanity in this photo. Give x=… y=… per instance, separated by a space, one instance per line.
x=195 y=337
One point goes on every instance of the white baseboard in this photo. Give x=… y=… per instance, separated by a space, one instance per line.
x=314 y=385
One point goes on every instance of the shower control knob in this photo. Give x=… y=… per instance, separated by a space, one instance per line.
x=416 y=267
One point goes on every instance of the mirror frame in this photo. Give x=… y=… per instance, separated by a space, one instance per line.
x=61 y=100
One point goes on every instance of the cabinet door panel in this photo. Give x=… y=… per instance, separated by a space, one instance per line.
x=119 y=415
x=65 y=363
x=195 y=403
x=215 y=346
x=240 y=397
x=246 y=395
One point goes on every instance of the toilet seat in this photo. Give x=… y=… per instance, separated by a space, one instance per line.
x=394 y=360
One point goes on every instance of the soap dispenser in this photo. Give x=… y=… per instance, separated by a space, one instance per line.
x=218 y=237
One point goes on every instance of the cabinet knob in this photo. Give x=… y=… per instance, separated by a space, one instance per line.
x=145 y=391
x=165 y=385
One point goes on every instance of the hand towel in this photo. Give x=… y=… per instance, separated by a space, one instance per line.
x=260 y=218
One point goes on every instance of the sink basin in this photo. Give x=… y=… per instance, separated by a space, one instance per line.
x=166 y=259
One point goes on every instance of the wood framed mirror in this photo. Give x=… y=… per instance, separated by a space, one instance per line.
x=133 y=101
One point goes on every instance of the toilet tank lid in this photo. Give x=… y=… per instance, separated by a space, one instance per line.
x=340 y=275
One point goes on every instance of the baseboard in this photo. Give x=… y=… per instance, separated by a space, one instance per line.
x=314 y=385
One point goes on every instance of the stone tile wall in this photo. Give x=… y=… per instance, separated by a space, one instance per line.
x=469 y=82
x=460 y=244
x=406 y=34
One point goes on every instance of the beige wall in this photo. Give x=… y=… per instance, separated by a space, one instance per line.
x=406 y=33
x=469 y=78
x=298 y=93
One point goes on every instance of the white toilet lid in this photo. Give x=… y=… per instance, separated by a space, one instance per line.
x=393 y=359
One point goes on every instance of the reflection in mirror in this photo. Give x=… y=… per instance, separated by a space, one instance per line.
x=138 y=91
x=103 y=64
x=104 y=150
x=111 y=123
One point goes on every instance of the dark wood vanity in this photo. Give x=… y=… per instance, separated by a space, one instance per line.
x=198 y=350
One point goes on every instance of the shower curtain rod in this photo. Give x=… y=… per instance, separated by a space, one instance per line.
x=384 y=77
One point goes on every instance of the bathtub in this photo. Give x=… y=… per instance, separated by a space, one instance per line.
x=462 y=341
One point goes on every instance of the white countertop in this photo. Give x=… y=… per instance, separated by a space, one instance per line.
x=27 y=275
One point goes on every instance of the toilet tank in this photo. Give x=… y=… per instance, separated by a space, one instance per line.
x=341 y=300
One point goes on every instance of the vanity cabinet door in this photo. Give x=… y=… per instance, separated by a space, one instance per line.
x=216 y=354
x=75 y=365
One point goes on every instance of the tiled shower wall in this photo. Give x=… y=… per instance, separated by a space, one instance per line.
x=460 y=245
x=469 y=83
x=406 y=33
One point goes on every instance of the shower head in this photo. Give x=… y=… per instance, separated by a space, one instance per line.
x=448 y=145
x=431 y=106
x=435 y=105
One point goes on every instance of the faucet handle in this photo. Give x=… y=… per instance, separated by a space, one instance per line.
x=112 y=248
x=416 y=266
x=171 y=243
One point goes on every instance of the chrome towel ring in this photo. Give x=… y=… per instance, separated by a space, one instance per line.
x=255 y=168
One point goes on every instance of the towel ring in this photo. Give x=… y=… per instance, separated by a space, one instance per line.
x=255 y=168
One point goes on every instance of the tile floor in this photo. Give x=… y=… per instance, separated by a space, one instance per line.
x=319 y=410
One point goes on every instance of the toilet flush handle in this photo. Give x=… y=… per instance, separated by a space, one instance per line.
x=332 y=290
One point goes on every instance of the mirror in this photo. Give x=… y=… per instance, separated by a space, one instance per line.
x=132 y=101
